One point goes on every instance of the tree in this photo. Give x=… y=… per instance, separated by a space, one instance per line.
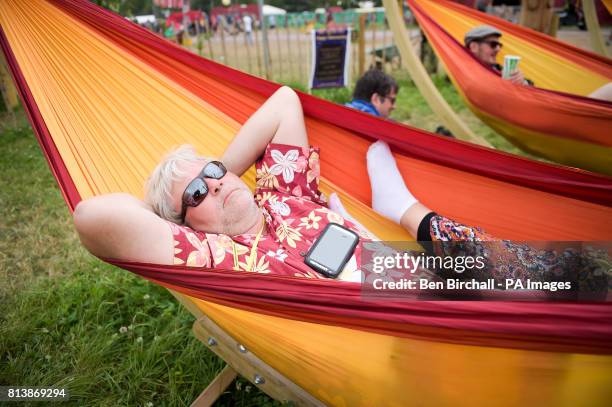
x=127 y=8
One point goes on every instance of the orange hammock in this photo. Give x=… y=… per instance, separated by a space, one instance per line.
x=553 y=120
x=107 y=98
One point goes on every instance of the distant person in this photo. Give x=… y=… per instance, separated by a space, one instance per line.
x=375 y=93
x=483 y=42
x=330 y=24
x=481 y=5
x=247 y=21
x=214 y=24
x=180 y=36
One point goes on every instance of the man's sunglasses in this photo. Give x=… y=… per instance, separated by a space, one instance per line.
x=197 y=189
x=493 y=44
x=392 y=100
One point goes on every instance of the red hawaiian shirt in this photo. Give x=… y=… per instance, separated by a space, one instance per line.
x=287 y=191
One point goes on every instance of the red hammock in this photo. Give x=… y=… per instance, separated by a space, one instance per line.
x=581 y=328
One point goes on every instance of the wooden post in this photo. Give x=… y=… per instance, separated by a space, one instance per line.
x=289 y=56
x=210 y=47
x=361 y=45
x=435 y=100
x=208 y=35
x=249 y=366
x=354 y=54
x=242 y=361
x=264 y=36
x=590 y=16
x=302 y=62
x=384 y=47
x=214 y=390
x=279 y=56
x=235 y=41
x=374 y=31
x=537 y=15
x=257 y=52
x=554 y=27
x=247 y=46
x=221 y=23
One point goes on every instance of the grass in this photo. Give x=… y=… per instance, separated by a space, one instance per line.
x=69 y=320
x=111 y=338
x=411 y=108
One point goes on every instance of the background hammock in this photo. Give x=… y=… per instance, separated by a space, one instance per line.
x=554 y=120
x=107 y=99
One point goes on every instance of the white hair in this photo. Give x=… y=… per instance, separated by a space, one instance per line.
x=171 y=169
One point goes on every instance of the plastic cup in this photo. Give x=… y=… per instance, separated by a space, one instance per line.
x=510 y=65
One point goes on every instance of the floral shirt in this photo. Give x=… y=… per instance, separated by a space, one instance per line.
x=287 y=191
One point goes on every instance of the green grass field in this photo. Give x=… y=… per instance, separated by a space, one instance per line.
x=111 y=338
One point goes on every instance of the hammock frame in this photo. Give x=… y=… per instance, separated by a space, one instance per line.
x=398 y=361
x=596 y=37
x=239 y=360
x=418 y=73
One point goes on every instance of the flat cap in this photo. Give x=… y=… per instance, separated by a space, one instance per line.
x=480 y=32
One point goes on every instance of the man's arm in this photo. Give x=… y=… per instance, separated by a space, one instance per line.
x=119 y=226
x=279 y=120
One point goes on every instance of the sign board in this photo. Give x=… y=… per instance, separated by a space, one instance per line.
x=331 y=52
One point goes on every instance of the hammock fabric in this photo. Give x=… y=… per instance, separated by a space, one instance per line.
x=107 y=98
x=554 y=119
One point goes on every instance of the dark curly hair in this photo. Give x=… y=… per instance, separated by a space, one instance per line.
x=374 y=81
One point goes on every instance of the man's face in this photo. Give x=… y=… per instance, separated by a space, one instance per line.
x=229 y=207
x=384 y=104
x=486 y=49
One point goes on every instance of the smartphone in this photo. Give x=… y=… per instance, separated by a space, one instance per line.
x=332 y=250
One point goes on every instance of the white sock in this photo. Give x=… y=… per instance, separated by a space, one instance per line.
x=390 y=197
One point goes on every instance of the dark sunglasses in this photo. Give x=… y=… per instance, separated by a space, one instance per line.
x=390 y=98
x=197 y=189
x=493 y=44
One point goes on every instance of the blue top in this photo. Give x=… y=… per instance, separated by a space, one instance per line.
x=363 y=106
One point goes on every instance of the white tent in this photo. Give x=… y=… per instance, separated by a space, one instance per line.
x=273 y=11
x=149 y=18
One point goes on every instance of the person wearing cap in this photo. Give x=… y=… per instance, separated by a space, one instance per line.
x=483 y=42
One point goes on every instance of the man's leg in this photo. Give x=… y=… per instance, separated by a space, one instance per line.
x=603 y=93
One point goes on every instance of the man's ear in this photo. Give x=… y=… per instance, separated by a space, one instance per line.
x=473 y=47
x=375 y=98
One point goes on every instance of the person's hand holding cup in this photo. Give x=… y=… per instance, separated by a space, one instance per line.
x=517 y=78
x=510 y=70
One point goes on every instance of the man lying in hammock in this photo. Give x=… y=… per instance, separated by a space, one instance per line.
x=200 y=213
x=483 y=42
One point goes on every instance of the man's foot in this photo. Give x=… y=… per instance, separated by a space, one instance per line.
x=390 y=197
x=443 y=131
